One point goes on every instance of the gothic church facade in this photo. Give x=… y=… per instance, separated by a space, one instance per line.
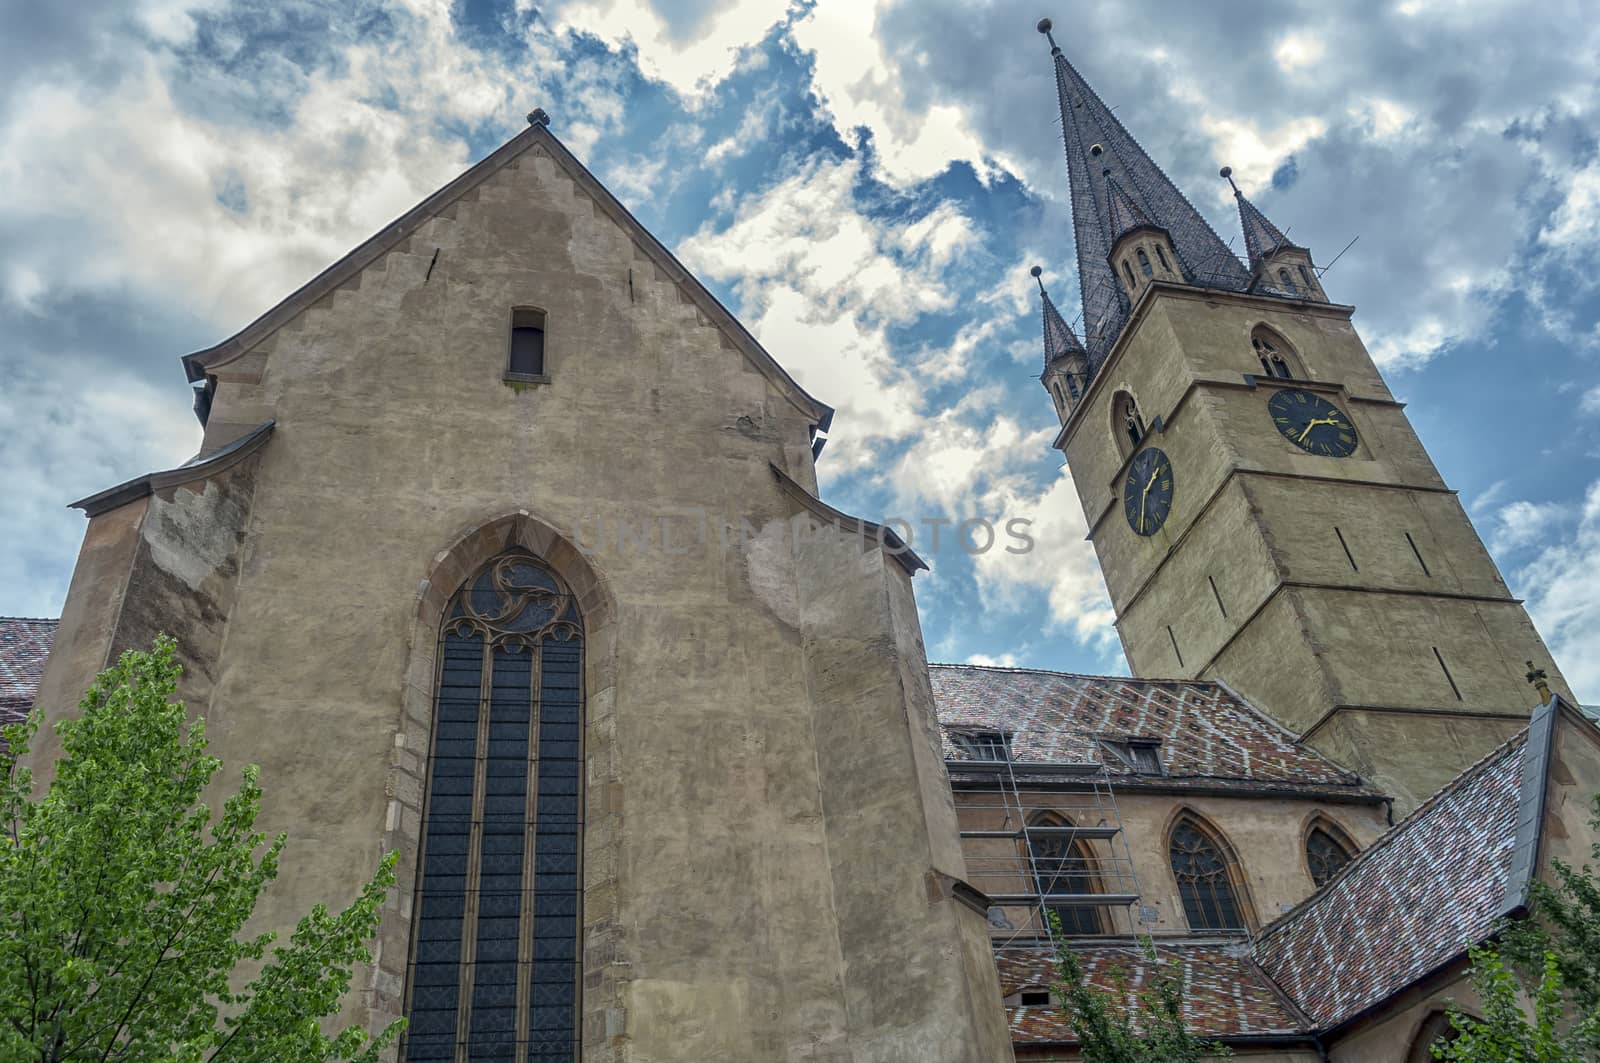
x=503 y=551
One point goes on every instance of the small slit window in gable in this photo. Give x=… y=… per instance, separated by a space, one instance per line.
x=1035 y=997
x=527 y=345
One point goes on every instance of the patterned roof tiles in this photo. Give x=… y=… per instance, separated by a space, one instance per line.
x=1224 y=994
x=1208 y=736
x=1412 y=901
x=24 y=645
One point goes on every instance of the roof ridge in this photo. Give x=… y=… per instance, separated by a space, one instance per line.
x=1387 y=838
x=32 y=619
x=1294 y=739
x=1076 y=675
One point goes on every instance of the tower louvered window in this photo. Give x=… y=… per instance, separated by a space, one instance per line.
x=495 y=961
x=1205 y=884
x=1325 y=855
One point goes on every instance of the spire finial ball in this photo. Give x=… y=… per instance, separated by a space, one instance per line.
x=1036 y=271
x=1045 y=25
x=1226 y=171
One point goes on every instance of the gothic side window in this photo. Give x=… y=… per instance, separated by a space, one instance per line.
x=1270 y=352
x=1128 y=423
x=1162 y=255
x=1305 y=276
x=1288 y=282
x=1206 y=884
x=495 y=960
x=1144 y=263
x=1326 y=855
x=1127 y=271
x=1064 y=867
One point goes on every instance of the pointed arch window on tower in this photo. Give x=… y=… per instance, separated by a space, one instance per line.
x=1288 y=282
x=1205 y=877
x=1162 y=256
x=1271 y=355
x=1305 y=275
x=1144 y=263
x=1064 y=866
x=1127 y=271
x=1127 y=421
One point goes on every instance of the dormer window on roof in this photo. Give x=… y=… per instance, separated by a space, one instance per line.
x=982 y=745
x=1143 y=755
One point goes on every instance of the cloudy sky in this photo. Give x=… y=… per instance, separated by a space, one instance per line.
x=865 y=182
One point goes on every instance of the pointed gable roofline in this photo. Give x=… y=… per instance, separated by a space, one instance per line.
x=200 y=363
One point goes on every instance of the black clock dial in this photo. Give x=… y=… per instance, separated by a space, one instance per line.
x=1147 y=492
x=1312 y=423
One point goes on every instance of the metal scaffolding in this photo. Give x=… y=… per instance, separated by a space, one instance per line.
x=1041 y=837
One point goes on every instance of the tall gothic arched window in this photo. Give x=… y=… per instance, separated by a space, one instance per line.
x=1205 y=878
x=1063 y=865
x=495 y=963
x=1144 y=263
x=1273 y=353
x=1326 y=854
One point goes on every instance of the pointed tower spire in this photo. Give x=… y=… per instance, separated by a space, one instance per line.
x=1262 y=239
x=1097 y=148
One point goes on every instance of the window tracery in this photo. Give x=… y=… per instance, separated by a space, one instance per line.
x=1205 y=880
x=495 y=965
x=1326 y=855
x=1064 y=866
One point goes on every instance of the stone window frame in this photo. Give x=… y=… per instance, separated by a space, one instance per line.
x=506 y=373
x=1434 y=1025
x=1326 y=824
x=1280 y=346
x=1081 y=849
x=1122 y=400
x=602 y=1018
x=1238 y=881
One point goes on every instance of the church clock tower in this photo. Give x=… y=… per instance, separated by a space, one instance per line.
x=1263 y=512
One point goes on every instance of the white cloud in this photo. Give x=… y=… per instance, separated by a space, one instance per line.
x=1297 y=51
x=1589 y=402
x=104 y=427
x=1005 y=660
x=1575 y=225
x=819 y=281
x=1562 y=586
x=692 y=59
x=1521 y=524
x=862 y=87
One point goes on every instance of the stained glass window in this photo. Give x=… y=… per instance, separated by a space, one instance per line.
x=1325 y=855
x=495 y=964
x=1064 y=866
x=1204 y=884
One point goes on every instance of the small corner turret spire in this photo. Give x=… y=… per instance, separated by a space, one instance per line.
x=1059 y=339
x=1262 y=239
x=1066 y=362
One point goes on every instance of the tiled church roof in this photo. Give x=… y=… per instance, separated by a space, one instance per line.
x=1209 y=738
x=1414 y=900
x=1224 y=995
x=24 y=645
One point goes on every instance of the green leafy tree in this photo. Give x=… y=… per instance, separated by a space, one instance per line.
x=125 y=899
x=1551 y=960
x=1118 y=1025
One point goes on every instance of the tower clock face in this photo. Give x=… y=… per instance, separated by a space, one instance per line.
x=1147 y=492
x=1312 y=423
